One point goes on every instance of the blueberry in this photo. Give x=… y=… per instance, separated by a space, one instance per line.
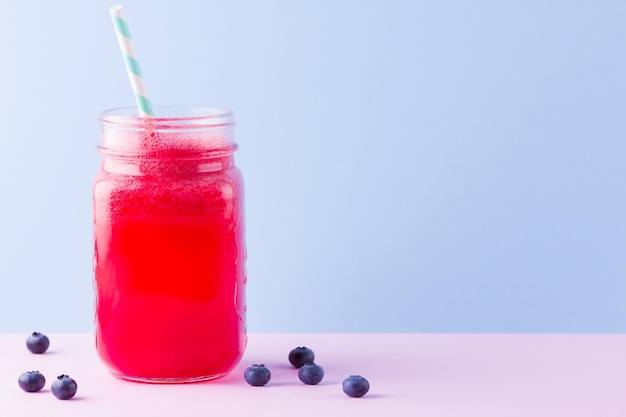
x=64 y=387
x=37 y=342
x=31 y=381
x=355 y=386
x=311 y=373
x=257 y=375
x=300 y=356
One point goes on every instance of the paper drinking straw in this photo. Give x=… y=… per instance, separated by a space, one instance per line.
x=132 y=65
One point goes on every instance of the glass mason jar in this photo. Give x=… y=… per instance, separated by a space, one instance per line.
x=169 y=258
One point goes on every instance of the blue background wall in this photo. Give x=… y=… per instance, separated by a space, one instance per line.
x=411 y=166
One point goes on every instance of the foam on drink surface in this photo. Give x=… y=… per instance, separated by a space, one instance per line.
x=168 y=168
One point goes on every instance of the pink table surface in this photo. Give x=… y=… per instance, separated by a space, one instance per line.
x=431 y=375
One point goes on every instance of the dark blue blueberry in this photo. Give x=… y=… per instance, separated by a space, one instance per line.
x=257 y=375
x=64 y=387
x=37 y=342
x=300 y=356
x=31 y=381
x=355 y=386
x=311 y=373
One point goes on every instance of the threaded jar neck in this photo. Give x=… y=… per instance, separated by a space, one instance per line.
x=201 y=136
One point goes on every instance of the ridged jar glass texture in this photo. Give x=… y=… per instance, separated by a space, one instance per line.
x=169 y=253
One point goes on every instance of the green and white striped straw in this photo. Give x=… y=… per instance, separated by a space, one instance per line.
x=132 y=65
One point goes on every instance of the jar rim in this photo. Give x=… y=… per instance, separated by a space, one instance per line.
x=169 y=117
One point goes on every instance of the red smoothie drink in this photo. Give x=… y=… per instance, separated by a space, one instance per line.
x=169 y=256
